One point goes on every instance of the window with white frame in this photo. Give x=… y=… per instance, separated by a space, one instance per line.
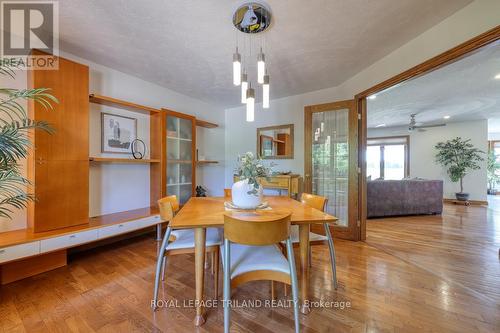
x=388 y=157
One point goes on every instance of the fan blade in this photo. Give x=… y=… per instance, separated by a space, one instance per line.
x=428 y=126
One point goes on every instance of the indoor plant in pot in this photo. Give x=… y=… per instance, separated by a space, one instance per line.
x=492 y=172
x=247 y=192
x=459 y=157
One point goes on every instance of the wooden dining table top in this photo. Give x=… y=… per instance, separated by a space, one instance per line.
x=205 y=212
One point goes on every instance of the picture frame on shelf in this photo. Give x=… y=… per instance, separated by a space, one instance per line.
x=117 y=133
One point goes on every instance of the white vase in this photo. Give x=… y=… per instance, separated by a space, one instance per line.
x=242 y=199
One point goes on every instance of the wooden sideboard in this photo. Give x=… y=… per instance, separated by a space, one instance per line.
x=291 y=183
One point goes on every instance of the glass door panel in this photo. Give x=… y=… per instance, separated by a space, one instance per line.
x=330 y=161
x=180 y=161
x=185 y=129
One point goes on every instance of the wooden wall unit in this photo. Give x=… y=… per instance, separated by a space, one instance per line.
x=158 y=142
x=58 y=164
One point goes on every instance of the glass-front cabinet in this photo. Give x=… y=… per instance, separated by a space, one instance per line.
x=180 y=166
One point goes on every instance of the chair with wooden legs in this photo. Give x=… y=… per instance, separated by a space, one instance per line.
x=319 y=203
x=228 y=193
x=182 y=242
x=251 y=253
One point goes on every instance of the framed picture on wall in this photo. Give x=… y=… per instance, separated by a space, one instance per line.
x=117 y=133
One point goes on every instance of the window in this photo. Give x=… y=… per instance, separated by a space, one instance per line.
x=388 y=158
x=494 y=145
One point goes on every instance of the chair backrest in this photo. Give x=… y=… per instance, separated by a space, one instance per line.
x=168 y=207
x=228 y=193
x=315 y=201
x=256 y=228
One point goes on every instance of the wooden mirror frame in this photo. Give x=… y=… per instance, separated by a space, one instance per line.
x=277 y=127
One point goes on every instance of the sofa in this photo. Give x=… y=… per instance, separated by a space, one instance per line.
x=404 y=197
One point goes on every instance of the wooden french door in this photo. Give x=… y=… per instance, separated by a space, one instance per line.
x=331 y=162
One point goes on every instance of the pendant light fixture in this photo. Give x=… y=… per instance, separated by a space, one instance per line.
x=236 y=68
x=251 y=18
x=244 y=87
x=261 y=67
x=265 y=92
x=250 y=103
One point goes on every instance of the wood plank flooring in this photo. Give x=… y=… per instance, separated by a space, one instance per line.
x=460 y=246
x=448 y=283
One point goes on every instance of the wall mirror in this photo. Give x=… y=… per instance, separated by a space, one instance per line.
x=275 y=142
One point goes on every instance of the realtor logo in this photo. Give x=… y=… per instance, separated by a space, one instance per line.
x=28 y=25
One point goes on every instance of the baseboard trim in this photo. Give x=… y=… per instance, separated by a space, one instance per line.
x=472 y=202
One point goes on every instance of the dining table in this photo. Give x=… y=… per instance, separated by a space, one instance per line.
x=200 y=213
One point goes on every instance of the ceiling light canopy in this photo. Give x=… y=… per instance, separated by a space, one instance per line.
x=497 y=76
x=372 y=97
x=446 y=117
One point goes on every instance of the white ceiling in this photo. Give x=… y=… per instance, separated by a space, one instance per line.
x=187 y=45
x=464 y=90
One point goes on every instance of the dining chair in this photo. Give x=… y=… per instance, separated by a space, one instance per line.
x=228 y=193
x=181 y=241
x=318 y=202
x=251 y=253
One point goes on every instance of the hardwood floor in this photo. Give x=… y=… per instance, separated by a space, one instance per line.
x=390 y=288
x=461 y=246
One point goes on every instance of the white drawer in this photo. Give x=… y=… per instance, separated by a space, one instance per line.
x=115 y=229
x=147 y=222
x=19 y=251
x=121 y=228
x=70 y=240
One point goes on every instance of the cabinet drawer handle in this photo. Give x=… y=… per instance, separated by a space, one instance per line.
x=120 y=226
x=72 y=236
x=2 y=251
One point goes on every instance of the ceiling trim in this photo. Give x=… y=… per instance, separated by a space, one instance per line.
x=445 y=58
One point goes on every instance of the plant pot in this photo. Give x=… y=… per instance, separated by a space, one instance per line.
x=242 y=199
x=461 y=196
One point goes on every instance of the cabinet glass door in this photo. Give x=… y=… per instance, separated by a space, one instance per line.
x=180 y=158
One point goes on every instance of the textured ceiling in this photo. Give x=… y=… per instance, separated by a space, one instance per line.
x=187 y=45
x=464 y=90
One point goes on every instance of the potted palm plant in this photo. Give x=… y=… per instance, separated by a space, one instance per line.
x=492 y=171
x=247 y=192
x=15 y=126
x=459 y=157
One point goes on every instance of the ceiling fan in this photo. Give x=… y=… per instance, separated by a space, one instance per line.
x=417 y=126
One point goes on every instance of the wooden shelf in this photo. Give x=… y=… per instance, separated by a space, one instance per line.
x=122 y=160
x=180 y=161
x=117 y=103
x=206 y=124
x=207 y=162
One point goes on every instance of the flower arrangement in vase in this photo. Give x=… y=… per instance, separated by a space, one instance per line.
x=247 y=192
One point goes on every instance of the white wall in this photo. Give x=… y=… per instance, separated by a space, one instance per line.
x=422 y=154
x=19 y=218
x=472 y=20
x=118 y=187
